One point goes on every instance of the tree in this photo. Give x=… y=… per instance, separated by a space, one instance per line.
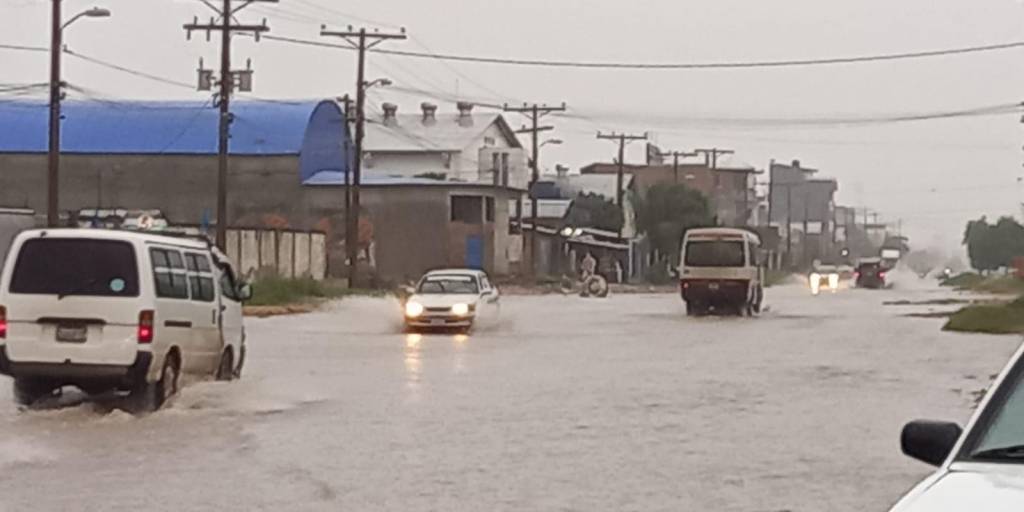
x=993 y=246
x=594 y=211
x=666 y=212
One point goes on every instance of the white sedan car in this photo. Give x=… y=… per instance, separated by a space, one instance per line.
x=981 y=468
x=450 y=299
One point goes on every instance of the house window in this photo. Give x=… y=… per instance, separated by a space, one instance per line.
x=504 y=169
x=467 y=209
x=488 y=141
x=489 y=209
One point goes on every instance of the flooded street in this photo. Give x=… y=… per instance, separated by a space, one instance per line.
x=562 y=404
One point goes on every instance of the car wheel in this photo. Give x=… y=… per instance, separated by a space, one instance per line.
x=151 y=396
x=226 y=368
x=29 y=391
x=241 y=362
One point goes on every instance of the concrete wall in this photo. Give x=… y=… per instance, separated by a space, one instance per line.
x=279 y=252
x=183 y=186
x=12 y=223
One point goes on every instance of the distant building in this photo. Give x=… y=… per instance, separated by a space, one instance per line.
x=460 y=146
x=802 y=208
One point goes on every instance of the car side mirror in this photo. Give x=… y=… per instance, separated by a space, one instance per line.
x=929 y=441
x=245 y=292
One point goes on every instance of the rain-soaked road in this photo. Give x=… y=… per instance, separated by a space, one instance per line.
x=566 y=404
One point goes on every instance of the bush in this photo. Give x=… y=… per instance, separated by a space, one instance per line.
x=276 y=291
x=989 y=318
x=965 y=280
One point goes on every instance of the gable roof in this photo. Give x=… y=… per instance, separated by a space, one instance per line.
x=410 y=134
x=155 y=127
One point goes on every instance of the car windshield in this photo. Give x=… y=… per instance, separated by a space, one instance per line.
x=76 y=266
x=448 y=285
x=714 y=253
x=1002 y=423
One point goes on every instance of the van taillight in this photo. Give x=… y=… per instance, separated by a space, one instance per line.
x=3 y=322
x=146 y=326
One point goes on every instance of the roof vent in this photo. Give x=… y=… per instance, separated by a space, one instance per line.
x=429 y=113
x=465 y=113
x=796 y=164
x=390 y=111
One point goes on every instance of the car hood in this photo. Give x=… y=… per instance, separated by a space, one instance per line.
x=438 y=300
x=988 y=487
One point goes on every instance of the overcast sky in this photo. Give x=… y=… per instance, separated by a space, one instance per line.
x=934 y=175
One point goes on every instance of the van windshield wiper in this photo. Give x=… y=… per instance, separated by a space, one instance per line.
x=1013 y=452
x=79 y=288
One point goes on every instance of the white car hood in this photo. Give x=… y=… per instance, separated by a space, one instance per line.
x=440 y=300
x=982 y=487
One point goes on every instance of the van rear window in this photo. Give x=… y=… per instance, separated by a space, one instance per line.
x=76 y=266
x=714 y=253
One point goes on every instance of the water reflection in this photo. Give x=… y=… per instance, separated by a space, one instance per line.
x=460 y=341
x=413 y=360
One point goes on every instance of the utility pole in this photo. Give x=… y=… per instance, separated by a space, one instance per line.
x=534 y=113
x=676 y=155
x=229 y=80
x=622 y=139
x=361 y=41
x=711 y=155
x=56 y=92
x=347 y=102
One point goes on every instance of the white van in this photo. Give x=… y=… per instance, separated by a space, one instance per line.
x=126 y=311
x=720 y=270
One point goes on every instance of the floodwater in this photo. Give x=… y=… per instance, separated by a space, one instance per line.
x=562 y=403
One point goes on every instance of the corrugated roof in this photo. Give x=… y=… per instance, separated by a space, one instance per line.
x=410 y=134
x=155 y=127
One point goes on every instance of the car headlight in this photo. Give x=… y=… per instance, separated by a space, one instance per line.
x=815 y=277
x=413 y=309
x=460 y=309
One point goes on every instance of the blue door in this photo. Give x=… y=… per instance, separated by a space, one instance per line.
x=475 y=251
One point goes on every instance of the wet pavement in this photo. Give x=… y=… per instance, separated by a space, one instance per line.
x=562 y=403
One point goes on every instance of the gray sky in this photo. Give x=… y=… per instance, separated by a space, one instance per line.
x=934 y=175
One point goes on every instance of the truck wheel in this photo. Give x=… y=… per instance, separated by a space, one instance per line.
x=29 y=391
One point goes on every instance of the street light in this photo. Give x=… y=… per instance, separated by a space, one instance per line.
x=383 y=82
x=53 y=155
x=556 y=142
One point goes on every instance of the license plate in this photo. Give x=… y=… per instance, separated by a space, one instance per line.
x=72 y=334
x=713 y=286
x=437 y=322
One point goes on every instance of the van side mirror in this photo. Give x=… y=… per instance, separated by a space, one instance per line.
x=929 y=441
x=245 y=292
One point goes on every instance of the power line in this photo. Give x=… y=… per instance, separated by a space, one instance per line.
x=129 y=71
x=23 y=48
x=673 y=66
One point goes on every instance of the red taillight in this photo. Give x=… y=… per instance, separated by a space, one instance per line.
x=146 y=326
x=3 y=322
x=881 y=275
x=686 y=285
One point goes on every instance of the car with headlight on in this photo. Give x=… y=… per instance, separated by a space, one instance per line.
x=979 y=468
x=824 y=277
x=450 y=299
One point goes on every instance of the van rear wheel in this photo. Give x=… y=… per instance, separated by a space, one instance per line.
x=226 y=368
x=29 y=391
x=151 y=396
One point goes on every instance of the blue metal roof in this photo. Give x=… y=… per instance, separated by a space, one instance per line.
x=377 y=178
x=159 y=127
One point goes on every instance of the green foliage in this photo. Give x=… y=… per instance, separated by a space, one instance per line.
x=439 y=176
x=965 y=280
x=594 y=211
x=979 y=283
x=279 y=291
x=993 y=246
x=666 y=212
x=989 y=318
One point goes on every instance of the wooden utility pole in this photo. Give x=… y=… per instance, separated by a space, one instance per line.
x=361 y=41
x=622 y=139
x=711 y=155
x=56 y=90
x=229 y=80
x=676 y=155
x=534 y=113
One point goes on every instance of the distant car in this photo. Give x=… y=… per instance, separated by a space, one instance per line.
x=981 y=468
x=450 y=299
x=870 y=273
x=824 y=277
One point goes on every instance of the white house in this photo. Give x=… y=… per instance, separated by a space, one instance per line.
x=461 y=146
